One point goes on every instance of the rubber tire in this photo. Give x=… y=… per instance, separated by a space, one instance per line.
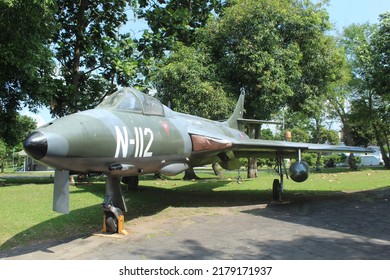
x=132 y=182
x=276 y=190
x=111 y=222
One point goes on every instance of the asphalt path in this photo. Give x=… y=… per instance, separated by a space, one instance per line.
x=352 y=226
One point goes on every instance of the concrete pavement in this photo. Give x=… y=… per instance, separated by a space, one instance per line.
x=340 y=226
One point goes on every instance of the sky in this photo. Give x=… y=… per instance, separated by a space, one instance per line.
x=341 y=12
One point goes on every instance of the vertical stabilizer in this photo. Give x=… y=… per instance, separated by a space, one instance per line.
x=237 y=114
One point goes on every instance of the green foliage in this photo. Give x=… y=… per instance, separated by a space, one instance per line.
x=94 y=57
x=25 y=59
x=266 y=162
x=326 y=136
x=276 y=50
x=187 y=81
x=310 y=158
x=173 y=21
x=367 y=49
x=16 y=134
x=381 y=57
x=170 y=22
x=266 y=134
x=337 y=158
x=299 y=135
x=3 y=155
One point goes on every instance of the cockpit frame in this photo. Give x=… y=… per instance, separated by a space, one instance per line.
x=133 y=100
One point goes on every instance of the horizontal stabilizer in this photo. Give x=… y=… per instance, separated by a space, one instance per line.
x=251 y=121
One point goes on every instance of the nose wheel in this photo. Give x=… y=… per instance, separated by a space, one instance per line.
x=113 y=207
x=113 y=220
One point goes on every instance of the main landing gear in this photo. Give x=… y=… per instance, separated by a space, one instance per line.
x=113 y=207
x=277 y=186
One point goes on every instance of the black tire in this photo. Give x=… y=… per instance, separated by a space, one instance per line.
x=132 y=182
x=276 y=190
x=111 y=222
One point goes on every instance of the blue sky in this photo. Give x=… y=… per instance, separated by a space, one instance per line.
x=345 y=12
x=341 y=12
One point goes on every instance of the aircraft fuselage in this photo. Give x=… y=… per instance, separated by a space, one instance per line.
x=120 y=142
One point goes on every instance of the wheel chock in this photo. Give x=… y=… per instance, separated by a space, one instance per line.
x=121 y=225
x=104 y=228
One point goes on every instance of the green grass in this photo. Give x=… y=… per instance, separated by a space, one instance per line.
x=26 y=201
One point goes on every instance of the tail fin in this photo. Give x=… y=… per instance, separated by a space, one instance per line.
x=237 y=114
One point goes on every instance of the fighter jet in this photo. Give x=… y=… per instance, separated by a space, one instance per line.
x=131 y=133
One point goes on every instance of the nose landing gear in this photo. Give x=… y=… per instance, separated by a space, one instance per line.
x=113 y=207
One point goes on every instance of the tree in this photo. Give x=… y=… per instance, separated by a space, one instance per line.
x=381 y=84
x=186 y=80
x=173 y=21
x=25 y=60
x=3 y=155
x=381 y=59
x=173 y=25
x=93 y=56
x=278 y=51
x=170 y=22
x=367 y=54
x=22 y=126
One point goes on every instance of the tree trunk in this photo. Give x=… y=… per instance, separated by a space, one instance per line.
x=254 y=133
x=216 y=170
x=71 y=180
x=318 y=162
x=381 y=145
x=252 y=167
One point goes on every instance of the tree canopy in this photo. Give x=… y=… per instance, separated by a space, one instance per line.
x=93 y=56
x=200 y=55
x=25 y=60
x=368 y=54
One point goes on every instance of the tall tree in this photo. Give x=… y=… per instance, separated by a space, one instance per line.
x=173 y=25
x=171 y=22
x=276 y=50
x=367 y=53
x=93 y=56
x=381 y=84
x=186 y=80
x=25 y=60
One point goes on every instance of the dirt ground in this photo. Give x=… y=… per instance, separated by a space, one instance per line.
x=342 y=226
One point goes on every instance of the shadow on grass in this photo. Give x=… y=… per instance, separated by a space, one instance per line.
x=311 y=208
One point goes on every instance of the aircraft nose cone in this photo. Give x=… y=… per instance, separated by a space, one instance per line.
x=35 y=145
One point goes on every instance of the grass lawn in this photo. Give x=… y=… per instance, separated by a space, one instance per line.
x=26 y=200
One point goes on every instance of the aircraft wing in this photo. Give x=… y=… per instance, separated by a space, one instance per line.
x=212 y=141
x=253 y=145
x=241 y=147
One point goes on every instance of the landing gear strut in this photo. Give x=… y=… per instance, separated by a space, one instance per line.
x=113 y=207
x=277 y=186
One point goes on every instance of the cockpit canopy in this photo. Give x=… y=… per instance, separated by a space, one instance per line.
x=131 y=99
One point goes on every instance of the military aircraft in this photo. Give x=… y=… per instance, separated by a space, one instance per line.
x=131 y=133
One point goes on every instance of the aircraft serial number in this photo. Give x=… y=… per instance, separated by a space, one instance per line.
x=242 y=270
x=141 y=142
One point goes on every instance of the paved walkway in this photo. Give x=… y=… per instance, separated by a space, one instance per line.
x=343 y=226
